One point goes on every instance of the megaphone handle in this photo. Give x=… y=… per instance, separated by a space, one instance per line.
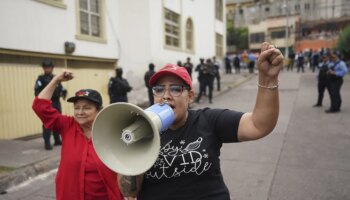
x=133 y=186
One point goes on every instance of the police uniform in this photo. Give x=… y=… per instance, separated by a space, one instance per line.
x=41 y=82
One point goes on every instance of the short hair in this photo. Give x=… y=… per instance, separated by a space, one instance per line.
x=151 y=66
x=47 y=63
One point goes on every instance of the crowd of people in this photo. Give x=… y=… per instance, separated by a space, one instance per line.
x=330 y=70
x=208 y=71
x=328 y=64
x=238 y=61
x=307 y=59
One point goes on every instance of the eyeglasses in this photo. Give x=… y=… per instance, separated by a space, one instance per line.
x=175 y=90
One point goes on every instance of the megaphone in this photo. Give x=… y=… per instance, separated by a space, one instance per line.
x=127 y=138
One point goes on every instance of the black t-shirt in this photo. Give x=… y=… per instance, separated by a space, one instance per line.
x=188 y=165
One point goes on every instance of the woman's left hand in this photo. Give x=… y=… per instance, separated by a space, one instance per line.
x=270 y=61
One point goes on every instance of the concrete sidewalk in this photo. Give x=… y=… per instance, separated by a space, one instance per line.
x=21 y=160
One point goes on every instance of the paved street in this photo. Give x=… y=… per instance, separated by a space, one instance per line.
x=306 y=156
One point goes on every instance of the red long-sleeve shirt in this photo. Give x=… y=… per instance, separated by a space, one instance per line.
x=70 y=178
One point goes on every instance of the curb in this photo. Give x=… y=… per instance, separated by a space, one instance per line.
x=11 y=179
x=233 y=85
x=237 y=83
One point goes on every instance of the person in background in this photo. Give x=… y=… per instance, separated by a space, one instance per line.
x=179 y=63
x=207 y=74
x=188 y=164
x=336 y=72
x=189 y=66
x=301 y=62
x=251 y=64
x=228 y=67
x=81 y=174
x=41 y=82
x=315 y=60
x=237 y=64
x=200 y=78
x=216 y=65
x=322 y=80
x=244 y=59
x=291 y=57
x=146 y=78
x=118 y=87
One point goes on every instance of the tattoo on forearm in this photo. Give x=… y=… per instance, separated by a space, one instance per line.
x=128 y=185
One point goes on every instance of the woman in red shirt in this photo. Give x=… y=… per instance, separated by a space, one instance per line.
x=81 y=174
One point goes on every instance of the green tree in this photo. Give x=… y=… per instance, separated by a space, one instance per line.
x=237 y=37
x=343 y=43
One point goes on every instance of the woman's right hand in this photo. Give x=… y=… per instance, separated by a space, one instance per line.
x=65 y=75
x=47 y=92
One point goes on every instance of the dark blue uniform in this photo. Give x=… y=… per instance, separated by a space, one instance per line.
x=41 y=82
x=117 y=89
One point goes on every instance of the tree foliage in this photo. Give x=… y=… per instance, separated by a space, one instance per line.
x=237 y=36
x=343 y=43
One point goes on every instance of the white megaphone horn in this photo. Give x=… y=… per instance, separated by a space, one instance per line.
x=127 y=138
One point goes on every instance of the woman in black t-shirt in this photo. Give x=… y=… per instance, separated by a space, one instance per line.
x=188 y=165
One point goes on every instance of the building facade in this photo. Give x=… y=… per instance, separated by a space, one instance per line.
x=312 y=24
x=91 y=38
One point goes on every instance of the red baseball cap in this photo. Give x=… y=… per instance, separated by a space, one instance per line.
x=171 y=69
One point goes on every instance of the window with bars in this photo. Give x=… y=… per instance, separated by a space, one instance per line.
x=307 y=6
x=90 y=17
x=189 y=34
x=219 y=10
x=278 y=34
x=172 y=28
x=257 y=37
x=219 y=45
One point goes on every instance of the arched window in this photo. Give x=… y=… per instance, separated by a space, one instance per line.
x=172 y=28
x=219 y=10
x=189 y=34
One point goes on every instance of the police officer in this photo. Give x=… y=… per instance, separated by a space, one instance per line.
x=323 y=79
x=40 y=84
x=146 y=78
x=237 y=64
x=206 y=76
x=336 y=73
x=315 y=60
x=198 y=69
x=251 y=64
x=118 y=87
x=189 y=66
x=216 y=65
